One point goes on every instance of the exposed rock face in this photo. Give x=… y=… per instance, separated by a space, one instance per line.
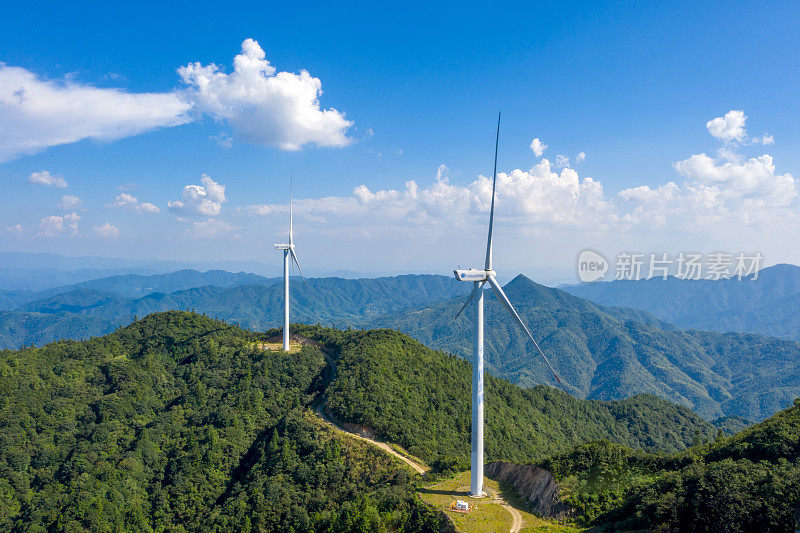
x=536 y=485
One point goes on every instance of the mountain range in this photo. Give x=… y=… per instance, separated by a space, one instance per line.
x=611 y=353
x=178 y=421
x=768 y=304
x=604 y=353
x=99 y=306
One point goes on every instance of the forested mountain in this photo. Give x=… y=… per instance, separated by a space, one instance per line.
x=747 y=482
x=420 y=399
x=87 y=310
x=768 y=305
x=603 y=354
x=137 y=285
x=180 y=422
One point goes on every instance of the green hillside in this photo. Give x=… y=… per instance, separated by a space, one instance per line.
x=747 y=482
x=420 y=399
x=176 y=422
x=179 y=422
x=602 y=353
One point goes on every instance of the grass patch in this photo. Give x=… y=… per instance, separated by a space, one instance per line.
x=486 y=514
x=277 y=346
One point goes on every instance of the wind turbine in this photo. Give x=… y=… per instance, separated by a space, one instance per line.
x=479 y=279
x=288 y=250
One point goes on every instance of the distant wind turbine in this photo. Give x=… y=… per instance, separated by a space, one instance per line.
x=288 y=250
x=479 y=279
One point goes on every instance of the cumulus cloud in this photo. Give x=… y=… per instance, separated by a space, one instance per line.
x=540 y=194
x=69 y=203
x=730 y=127
x=580 y=157
x=714 y=194
x=131 y=203
x=716 y=191
x=200 y=200
x=538 y=147
x=765 y=140
x=264 y=106
x=55 y=226
x=44 y=177
x=36 y=114
x=106 y=231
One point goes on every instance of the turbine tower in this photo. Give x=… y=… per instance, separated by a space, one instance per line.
x=479 y=279
x=288 y=250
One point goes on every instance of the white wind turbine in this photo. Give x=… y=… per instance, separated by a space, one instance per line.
x=479 y=278
x=288 y=250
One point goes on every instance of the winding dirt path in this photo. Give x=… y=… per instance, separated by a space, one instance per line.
x=419 y=468
x=320 y=410
x=516 y=518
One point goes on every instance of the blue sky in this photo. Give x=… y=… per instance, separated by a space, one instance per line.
x=633 y=88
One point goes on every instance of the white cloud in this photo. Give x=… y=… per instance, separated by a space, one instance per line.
x=561 y=161
x=54 y=225
x=36 y=114
x=16 y=230
x=716 y=195
x=540 y=194
x=580 y=158
x=538 y=147
x=44 y=177
x=131 y=203
x=69 y=202
x=730 y=127
x=765 y=140
x=263 y=106
x=200 y=200
x=106 y=231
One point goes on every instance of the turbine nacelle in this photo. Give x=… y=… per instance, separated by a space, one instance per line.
x=473 y=274
x=284 y=246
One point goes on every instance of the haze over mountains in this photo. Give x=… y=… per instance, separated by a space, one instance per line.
x=600 y=352
x=100 y=306
x=769 y=305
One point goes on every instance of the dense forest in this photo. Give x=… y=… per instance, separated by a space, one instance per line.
x=747 y=482
x=608 y=353
x=179 y=422
x=420 y=399
x=601 y=353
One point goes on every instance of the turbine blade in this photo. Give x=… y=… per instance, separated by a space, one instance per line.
x=504 y=300
x=296 y=262
x=471 y=296
x=491 y=211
